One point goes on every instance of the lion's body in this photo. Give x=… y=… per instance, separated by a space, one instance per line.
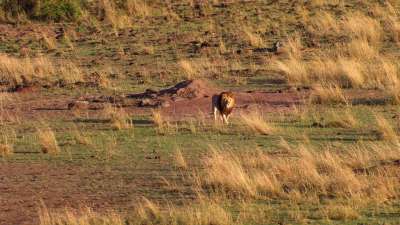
x=224 y=104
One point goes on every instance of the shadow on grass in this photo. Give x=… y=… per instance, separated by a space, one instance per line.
x=91 y=120
x=142 y=122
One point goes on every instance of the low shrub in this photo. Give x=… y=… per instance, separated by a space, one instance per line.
x=53 y=10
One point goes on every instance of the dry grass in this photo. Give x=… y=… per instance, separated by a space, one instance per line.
x=294 y=69
x=351 y=70
x=301 y=174
x=361 y=50
x=80 y=137
x=341 y=212
x=256 y=122
x=344 y=119
x=179 y=159
x=305 y=174
x=188 y=68
x=356 y=63
x=158 y=119
x=361 y=27
x=293 y=47
x=49 y=42
x=48 y=141
x=328 y=95
x=200 y=214
x=85 y=216
x=110 y=147
x=200 y=68
x=138 y=8
x=6 y=150
x=163 y=126
x=27 y=71
x=146 y=212
x=385 y=130
x=334 y=118
x=323 y=24
x=108 y=11
x=252 y=38
x=119 y=119
x=226 y=171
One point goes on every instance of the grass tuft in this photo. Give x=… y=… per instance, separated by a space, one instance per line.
x=48 y=141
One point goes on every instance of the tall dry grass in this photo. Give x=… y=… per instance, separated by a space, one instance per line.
x=305 y=173
x=359 y=26
x=323 y=24
x=48 y=141
x=6 y=149
x=85 y=216
x=179 y=159
x=162 y=125
x=255 y=121
x=119 y=119
x=108 y=11
x=146 y=212
x=138 y=8
x=200 y=67
x=328 y=95
x=385 y=129
x=41 y=70
x=354 y=58
x=252 y=38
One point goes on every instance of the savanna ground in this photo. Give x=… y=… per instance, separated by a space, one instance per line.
x=87 y=137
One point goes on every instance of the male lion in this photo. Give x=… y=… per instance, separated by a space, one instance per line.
x=223 y=103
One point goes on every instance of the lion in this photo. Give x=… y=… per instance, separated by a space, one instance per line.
x=224 y=104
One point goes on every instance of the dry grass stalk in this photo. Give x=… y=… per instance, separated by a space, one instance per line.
x=48 y=141
x=256 y=122
x=138 y=8
x=323 y=24
x=359 y=26
x=294 y=46
x=328 y=95
x=49 y=42
x=110 y=13
x=188 y=68
x=385 y=130
x=163 y=126
x=341 y=212
x=361 y=50
x=180 y=160
x=119 y=119
x=201 y=67
x=80 y=137
x=294 y=69
x=344 y=120
x=6 y=150
x=252 y=38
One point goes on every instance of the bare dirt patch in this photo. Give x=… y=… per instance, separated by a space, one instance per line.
x=185 y=99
